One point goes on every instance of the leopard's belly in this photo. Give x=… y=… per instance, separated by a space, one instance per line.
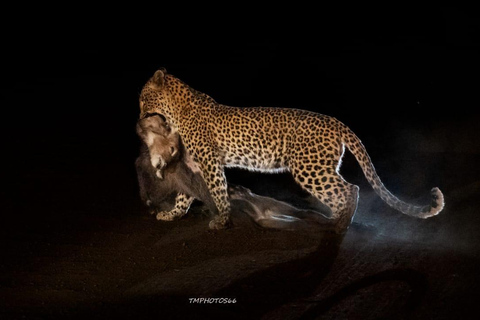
x=267 y=162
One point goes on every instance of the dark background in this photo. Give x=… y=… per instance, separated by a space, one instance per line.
x=404 y=79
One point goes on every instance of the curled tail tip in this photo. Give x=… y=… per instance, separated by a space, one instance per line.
x=435 y=207
x=439 y=198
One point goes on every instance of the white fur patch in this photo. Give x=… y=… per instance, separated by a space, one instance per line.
x=157 y=162
x=150 y=138
x=263 y=169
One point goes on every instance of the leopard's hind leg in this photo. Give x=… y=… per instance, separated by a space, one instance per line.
x=326 y=184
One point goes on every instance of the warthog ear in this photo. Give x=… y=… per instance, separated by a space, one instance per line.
x=158 y=79
x=139 y=129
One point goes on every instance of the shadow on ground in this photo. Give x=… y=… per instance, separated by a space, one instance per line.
x=83 y=246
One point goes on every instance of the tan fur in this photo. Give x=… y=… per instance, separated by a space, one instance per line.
x=305 y=143
x=161 y=141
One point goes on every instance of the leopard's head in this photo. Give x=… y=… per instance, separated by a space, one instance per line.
x=156 y=96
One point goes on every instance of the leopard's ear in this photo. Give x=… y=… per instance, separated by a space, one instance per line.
x=158 y=79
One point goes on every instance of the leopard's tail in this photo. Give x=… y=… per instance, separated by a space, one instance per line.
x=353 y=143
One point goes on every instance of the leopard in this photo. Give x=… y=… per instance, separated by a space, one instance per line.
x=307 y=144
x=163 y=172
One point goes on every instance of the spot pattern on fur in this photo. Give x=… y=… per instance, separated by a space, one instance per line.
x=307 y=144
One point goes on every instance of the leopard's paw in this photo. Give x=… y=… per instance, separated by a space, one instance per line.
x=171 y=215
x=166 y=216
x=219 y=223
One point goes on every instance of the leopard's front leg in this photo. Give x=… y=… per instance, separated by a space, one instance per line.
x=206 y=157
x=182 y=204
x=217 y=184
